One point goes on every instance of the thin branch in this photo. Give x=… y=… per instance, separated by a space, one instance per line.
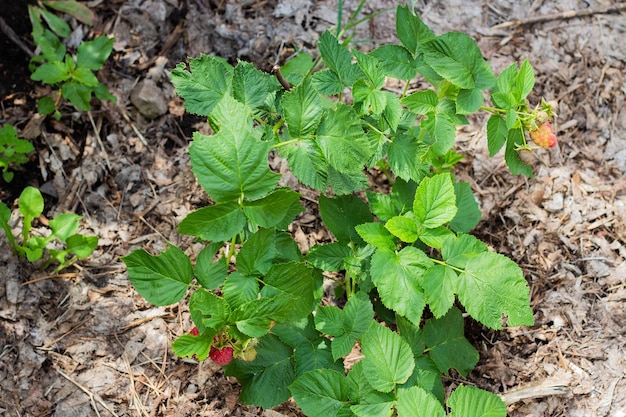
x=7 y=30
x=569 y=14
x=281 y=79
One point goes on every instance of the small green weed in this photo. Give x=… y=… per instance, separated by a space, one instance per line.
x=13 y=151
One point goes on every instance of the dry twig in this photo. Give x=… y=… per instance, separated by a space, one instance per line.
x=569 y=14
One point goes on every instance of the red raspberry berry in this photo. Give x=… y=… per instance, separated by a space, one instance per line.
x=544 y=136
x=221 y=356
x=194 y=331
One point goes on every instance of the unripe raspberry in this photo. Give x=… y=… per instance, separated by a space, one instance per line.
x=544 y=136
x=526 y=155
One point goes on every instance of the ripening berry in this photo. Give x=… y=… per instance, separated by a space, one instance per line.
x=194 y=331
x=221 y=356
x=544 y=136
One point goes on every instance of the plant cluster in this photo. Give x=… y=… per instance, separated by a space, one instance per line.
x=63 y=227
x=402 y=261
x=55 y=66
x=13 y=151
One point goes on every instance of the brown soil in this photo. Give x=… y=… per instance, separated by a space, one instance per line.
x=83 y=343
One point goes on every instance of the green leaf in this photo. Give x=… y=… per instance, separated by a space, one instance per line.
x=421 y=102
x=161 y=279
x=403 y=227
x=64 y=225
x=327 y=82
x=435 y=201
x=411 y=31
x=456 y=57
x=290 y=286
x=396 y=61
x=52 y=49
x=442 y=131
x=468 y=401
x=266 y=379
x=307 y=162
x=398 y=277
x=435 y=237
x=525 y=80
x=456 y=251
x=188 y=346
x=256 y=255
x=320 y=393
x=81 y=246
x=342 y=140
x=372 y=69
x=240 y=289
x=51 y=73
x=469 y=101
x=85 y=76
x=31 y=203
x=496 y=133
x=513 y=161
x=328 y=257
x=296 y=68
x=368 y=99
x=92 y=54
x=276 y=209
x=75 y=9
x=338 y=59
x=210 y=274
x=316 y=354
x=218 y=223
x=250 y=86
x=302 y=109
x=440 y=288
x=491 y=286
x=342 y=214
x=58 y=25
x=45 y=105
x=232 y=163
x=405 y=157
x=448 y=347
x=388 y=358
x=416 y=402
x=468 y=213
x=78 y=94
x=376 y=235
x=209 y=311
x=205 y=84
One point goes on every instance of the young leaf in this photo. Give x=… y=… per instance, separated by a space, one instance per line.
x=440 y=288
x=51 y=73
x=5 y=216
x=468 y=401
x=92 y=54
x=64 y=225
x=448 y=346
x=30 y=203
x=468 y=213
x=496 y=133
x=403 y=227
x=388 y=358
x=397 y=277
x=75 y=9
x=302 y=110
x=435 y=201
x=216 y=223
x=58 y=25
x=341 y=215
x=372 y=69
x=376 y=235
x=338 y=59
x=411 y=31
x=266 y=379
x=405 y=157
x=321 y=393
x=232 y=163
x=205 y=84
x=416 y=402
x=78 y=94
x=81 y=246
x=502 y=288
x=442 y=132
x=525 y=80
x=162 y=279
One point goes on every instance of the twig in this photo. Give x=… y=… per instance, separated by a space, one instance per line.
x=533 y=392
x=93 y=397
x=281 y=79
x=6 y=29
x=569 y=14
x=96 y=131
x=132 y=125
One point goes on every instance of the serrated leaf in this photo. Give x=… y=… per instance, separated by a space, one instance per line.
x=266 y=379
x=405 y=158
x=329 y=320
x=187 y=346
x=435 y=201
x=456 y=251
x=456 y=57
x=440 y=288
x=210 y=274
x=250 y=86
x=468 y=213
x=378 y=409
x=388 y=358
x=396 y=61
x=276 y=209
x=513 y=161
x=403 y=227
x=307 y=162
x=411 y=31
x=491 y=286
x=295 y=69
x=219 y=222
x=525 y=80
x=328 y=257
x=398 y=277
x=51 y=73
x=342 y=214
x=468 y=401
x=392 y=113
x=416 y=402
x=448 y=347
x=338 y=59
x=327 y=82
x=302 y=109
x=496 y=133
x=372 y=69
x=421 y=102
x=205 y=84
x=239 y=289
x=342 y=140
x=376 y=235
x=368 y=99
x=290 y=286
x=254 y=318
x=316 y=354
x=78 y=94
x=58 y=25
x=442 y=132
x=208 y=310
x=75 y=9
x=162 y=279
x=232 y=163
x=435 y=237
x=320 y=393
x=469 y=101
x=92 y=54
x=256 y=255
x=341 y=183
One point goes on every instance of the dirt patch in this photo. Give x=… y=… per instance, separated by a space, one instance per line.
x=85 y=341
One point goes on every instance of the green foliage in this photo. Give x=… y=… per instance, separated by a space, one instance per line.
x=13 y=151
x=62 y=229
x=395 y=255
x=74 y=74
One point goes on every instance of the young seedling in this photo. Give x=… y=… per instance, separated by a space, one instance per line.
x=13 y=151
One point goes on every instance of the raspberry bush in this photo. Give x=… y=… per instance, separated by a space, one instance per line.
x=403 y=263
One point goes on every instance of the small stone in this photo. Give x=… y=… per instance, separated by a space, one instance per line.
x=149 y=99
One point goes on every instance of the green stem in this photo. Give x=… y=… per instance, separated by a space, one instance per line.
x=231 y=250
x=287 y=142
